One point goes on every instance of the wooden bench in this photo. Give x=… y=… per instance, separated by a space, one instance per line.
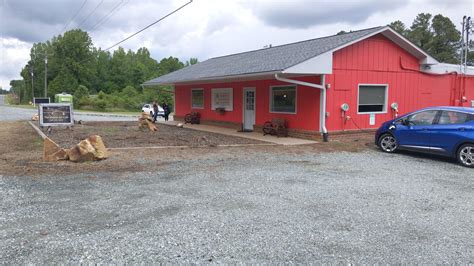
x=275 y=127
x=193 y=118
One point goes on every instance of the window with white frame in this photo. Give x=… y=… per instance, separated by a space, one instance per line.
x=197 y=98
x=372 y=99
x=283 y=99
x=222 y=98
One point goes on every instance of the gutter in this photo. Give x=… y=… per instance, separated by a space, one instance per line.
x=322 y=110
x=248 y=76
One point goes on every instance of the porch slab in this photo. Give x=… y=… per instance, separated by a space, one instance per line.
x=287 y=141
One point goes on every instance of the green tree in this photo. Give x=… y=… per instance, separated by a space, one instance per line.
x=65 y=81
x=420 y=31
x=470 y=59
x=445 y=41
x=436 y=35
x=192 y=61
x=18 y=88
x=399 y=27
x=80 y=94
x=168 y=65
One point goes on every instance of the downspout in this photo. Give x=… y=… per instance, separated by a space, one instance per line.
x=323 y=99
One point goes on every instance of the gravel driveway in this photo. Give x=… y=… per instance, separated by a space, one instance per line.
x=254 y=205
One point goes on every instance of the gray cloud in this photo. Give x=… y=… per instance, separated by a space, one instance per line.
x=307 y=13
x=34 y=21
x=38 y=21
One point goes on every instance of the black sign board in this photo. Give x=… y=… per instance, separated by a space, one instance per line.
x=56 y=114
x=41 y=100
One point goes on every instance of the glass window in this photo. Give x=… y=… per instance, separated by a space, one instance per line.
x=222 y=98
x=283 y=99
x=372 y=98
x=249 y=100
x=422 y=118
x=197 y=98
x=451 y=117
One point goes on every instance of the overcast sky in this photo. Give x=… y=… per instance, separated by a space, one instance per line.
x=203 y=29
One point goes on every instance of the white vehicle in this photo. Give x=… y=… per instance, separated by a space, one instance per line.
x=148 y=108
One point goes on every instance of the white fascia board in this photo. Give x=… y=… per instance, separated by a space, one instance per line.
x=240 y=77
x=321 y=64
x=409 y=46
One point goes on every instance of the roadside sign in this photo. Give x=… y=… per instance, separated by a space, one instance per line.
x=56 y=114
x=40 y=100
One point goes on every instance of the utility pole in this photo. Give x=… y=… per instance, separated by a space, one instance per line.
x=46 y=75
x=461 y=59
x=32 y=84
x=468 y=28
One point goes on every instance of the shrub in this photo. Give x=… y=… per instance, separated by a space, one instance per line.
x=80 y=93
x=100 y=104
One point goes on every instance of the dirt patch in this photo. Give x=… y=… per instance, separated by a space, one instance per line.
x=21 y=151
x=127 y=134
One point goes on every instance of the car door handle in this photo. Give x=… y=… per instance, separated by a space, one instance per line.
x=462 y=129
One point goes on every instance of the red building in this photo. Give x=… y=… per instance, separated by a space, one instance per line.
x=343 y=82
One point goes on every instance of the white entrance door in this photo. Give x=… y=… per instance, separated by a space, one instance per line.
x=249 y=108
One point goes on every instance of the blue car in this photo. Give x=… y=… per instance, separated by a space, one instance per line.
x=447 y=131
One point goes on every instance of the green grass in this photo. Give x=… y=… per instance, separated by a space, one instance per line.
x=24 y=106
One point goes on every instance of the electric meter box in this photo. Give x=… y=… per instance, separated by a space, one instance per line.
x=63 y=98
x=345 y=107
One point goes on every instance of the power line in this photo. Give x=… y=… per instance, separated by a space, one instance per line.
x=167 y=15
x=162 y=18
x=101 y=21
x=73 y=17
x=90 y=14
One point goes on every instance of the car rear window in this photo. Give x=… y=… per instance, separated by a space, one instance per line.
x=453 y=117
x=470 y=118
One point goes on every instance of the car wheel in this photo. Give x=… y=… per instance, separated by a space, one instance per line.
x=151 y=113
x=465 y=155
x=388 y=143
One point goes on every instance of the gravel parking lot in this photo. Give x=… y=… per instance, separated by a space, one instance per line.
x=253 y=205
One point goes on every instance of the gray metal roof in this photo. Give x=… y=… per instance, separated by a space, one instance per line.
x=272 y=59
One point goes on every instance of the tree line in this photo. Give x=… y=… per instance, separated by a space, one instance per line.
x=98 y=79
x=437 y=35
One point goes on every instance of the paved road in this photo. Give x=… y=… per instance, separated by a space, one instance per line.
x=243 y=205
x=8 y=113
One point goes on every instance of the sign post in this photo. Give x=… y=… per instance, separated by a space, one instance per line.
x=39 y=100
x=56 y=114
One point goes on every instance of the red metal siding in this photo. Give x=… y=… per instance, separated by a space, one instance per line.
x=377 y=60
x=306 y=117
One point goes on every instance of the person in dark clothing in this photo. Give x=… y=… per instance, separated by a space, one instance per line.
x=166 y=109
x=155 y=111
